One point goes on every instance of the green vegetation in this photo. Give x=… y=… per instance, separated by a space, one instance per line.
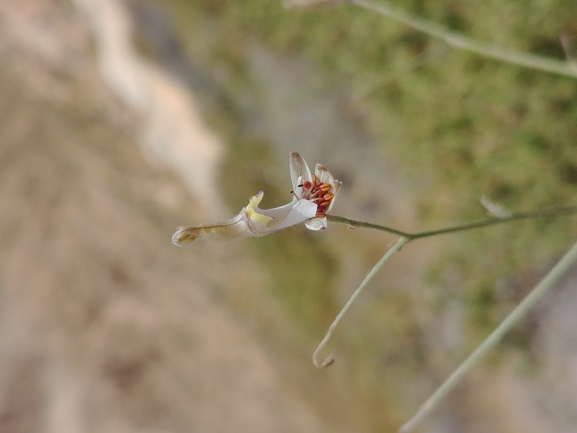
x=459 y=125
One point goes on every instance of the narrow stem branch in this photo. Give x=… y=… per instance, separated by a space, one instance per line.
x=551 y=211
x=520 y=311
x=355 y=224
x=457 y=40
x=331 y=358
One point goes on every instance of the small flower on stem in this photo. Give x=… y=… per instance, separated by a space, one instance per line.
x=313 y=195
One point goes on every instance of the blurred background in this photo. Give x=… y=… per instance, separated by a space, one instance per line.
x=120 y=121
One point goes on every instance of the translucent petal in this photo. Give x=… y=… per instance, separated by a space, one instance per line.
x=300 y=212
x=323 y=174
x=299 y=169
x=229 y=230
x=280 y=212
x=316 y=224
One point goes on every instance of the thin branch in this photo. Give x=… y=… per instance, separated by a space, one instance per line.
x=457 y=40
x=331 y=358
x=519 y=312
x=355 y=224
x=539 y=213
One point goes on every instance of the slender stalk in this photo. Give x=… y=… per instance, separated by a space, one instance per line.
x=354 y=224
x=519 y=312
x=550 y=211
x=408 y=237
x=331 y=358
x=457 y=40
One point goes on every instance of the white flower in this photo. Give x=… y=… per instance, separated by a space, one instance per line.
x=312 y=197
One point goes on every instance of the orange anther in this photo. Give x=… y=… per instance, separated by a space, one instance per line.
x=325 y=187
x=320 y=214
x=307 y=185
x=328 y=196
x=324 y=203
x=314 y=178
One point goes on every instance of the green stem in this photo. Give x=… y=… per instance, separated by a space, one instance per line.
x=457 y=40
x=331 y=358
x=355 y=224
x=551 y=211
x=519 y=312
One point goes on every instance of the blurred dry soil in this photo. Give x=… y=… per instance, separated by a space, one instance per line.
x=104 y=325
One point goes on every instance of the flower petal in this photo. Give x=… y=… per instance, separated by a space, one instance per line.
x=264 y=221
x=232 y=229
x=300 y=172
x=280 y=212
x=302 y=211
x=325 y=176
x=316 y=224
x=256 y=221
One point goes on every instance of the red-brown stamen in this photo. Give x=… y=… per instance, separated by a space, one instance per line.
x=319 y=193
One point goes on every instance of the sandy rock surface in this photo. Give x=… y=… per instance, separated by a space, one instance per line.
x=104 y=325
